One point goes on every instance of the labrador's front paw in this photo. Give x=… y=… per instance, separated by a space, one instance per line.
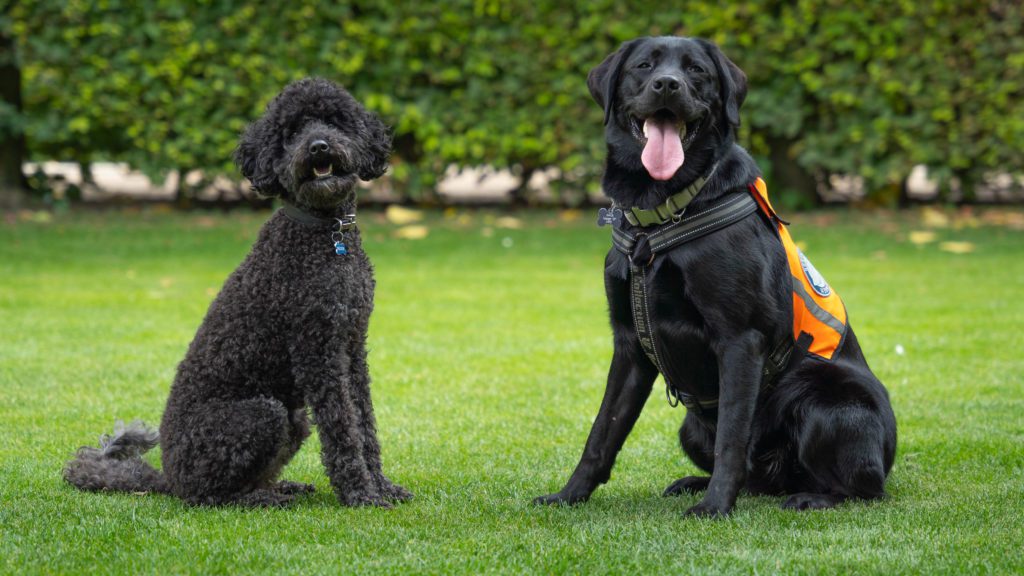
x=560 y=499
x=708 y=510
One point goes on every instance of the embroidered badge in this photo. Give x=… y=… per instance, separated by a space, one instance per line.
x=814 y=277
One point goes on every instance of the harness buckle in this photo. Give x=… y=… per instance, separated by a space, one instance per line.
x=642 y=254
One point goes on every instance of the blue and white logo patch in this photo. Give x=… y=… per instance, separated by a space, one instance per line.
x=817 y=281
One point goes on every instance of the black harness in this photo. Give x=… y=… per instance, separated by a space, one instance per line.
x=641 y=249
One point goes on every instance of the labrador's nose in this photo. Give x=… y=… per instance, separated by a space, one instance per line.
x=666 y=85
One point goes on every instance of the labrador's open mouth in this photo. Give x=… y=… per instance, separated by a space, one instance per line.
x=664 y=137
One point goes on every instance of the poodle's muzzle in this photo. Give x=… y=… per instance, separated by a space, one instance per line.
x=322 y=172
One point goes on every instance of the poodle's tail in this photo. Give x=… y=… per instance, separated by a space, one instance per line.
x=117 y=464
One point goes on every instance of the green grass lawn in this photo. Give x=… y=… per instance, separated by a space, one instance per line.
x=489 y=353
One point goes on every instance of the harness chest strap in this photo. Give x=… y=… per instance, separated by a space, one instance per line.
x=687 y=228
x=819 y=316
x=641 y=250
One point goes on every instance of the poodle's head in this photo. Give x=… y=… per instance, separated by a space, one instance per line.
x=310 y=145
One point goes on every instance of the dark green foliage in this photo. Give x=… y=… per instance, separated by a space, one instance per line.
x=12 y=140
x=856 y=87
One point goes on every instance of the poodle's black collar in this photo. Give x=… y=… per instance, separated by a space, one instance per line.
x=300 y=216
x=341 y=225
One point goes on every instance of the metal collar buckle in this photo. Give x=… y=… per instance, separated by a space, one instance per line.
x=346 y=222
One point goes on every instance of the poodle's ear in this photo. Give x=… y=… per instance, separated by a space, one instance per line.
x=603 y=80
x=378 y=147
x=257 y=149
x=732 y=81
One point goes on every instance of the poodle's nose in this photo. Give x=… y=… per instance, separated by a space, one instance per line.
x=318 y=147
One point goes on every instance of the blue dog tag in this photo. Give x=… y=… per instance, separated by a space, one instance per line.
x=606 y=216
x=340 y=249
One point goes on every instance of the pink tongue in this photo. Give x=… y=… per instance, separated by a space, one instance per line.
x=663 y=154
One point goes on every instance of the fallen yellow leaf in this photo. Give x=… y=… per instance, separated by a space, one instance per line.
x=400 y=215
x=1001 y=217
x=920 y=237
x=965 y=218
x=570 y=215
x=509 y=222
x=957 y=247
x=934 y=218
x=37 y=216
x=413 y=232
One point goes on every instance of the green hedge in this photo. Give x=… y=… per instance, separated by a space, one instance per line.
x=858 y=87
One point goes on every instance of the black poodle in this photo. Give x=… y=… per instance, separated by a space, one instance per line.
x=287 y=331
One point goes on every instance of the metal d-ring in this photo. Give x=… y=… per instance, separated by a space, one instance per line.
x=670 y=395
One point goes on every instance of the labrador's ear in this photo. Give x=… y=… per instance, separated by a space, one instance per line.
x=603 y=80
x=732 y=81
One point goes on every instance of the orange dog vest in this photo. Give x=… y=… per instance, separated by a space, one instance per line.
x=819 y=316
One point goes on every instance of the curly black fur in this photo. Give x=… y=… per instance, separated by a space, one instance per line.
x=117 y=463
x=286 y=332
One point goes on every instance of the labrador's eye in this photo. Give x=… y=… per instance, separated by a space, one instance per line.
x=695 y=69
x=644 y=65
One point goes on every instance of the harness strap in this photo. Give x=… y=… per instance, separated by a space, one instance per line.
x=688 y=228
x=643 y=247
x=642 y=324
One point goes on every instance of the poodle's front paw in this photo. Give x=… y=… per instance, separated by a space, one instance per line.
x=394 y=492
x=363 y=498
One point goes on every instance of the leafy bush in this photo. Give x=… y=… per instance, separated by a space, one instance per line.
x=835 y=87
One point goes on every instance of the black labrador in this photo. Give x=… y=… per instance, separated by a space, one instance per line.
x=822 y=431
